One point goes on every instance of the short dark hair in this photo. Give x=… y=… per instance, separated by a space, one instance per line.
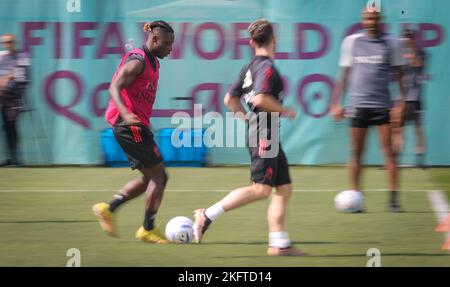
x=148 y=27
x=409 y=33
x=261 y=31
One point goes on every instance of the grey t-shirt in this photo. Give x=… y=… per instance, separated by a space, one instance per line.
x=16 y=64
x=413 y=78
x=371 y=61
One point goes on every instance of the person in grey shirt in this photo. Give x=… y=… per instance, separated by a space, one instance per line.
x=415 y=58
x=14 y=70
x=368 y=60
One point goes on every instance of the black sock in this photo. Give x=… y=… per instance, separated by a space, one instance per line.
x=149 y=219
x=393 y=197
x=118 y=200
x=207 y=223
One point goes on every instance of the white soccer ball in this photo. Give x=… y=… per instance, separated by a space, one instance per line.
x=349 y=201
x=179 y=230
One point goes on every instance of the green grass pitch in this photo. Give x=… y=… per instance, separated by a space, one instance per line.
x=46 y=211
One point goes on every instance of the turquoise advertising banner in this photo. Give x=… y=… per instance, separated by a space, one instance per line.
x=76 y=46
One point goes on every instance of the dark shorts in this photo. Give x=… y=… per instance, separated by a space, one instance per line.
x=413 y=111
x=269 y=171
x=365 y=117
x=10 y=114
x=138 y=144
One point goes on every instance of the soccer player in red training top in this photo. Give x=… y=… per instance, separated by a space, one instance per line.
x=133 y=90
x=260 y=84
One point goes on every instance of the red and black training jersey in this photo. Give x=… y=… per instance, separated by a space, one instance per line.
x=258 y=77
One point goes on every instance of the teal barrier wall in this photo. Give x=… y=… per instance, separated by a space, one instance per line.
x=74 y=55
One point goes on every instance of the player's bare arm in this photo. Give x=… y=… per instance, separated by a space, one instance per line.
x=233 y=104
x=126 y=76
x=5 y=79
x=269 y=104
x=337 y=111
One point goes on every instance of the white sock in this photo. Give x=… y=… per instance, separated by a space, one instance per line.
x=214 y=211
x=279 y=239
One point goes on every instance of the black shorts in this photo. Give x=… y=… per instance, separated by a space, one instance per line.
x=365 y=117
x=138 y=144
x=269 y=171
x=413 y=111
x=10 y=114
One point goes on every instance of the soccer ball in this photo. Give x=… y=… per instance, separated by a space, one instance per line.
x=349 y=201
x=179 y=230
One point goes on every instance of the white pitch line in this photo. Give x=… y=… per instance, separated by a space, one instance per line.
x=440 y=207
x=183 y=190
